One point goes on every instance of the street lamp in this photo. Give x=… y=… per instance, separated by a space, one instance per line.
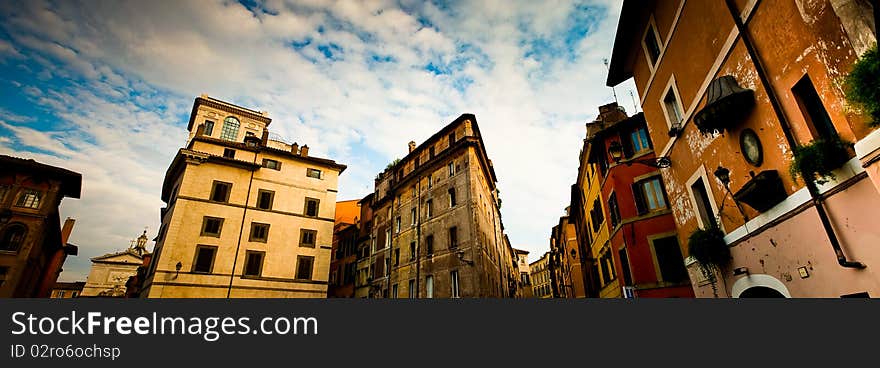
x=615 y=149
x=723 y=175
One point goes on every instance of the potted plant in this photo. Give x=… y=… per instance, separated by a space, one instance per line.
x=707 y=246
x=763 y=191
x=817 y=159
x=862 y=85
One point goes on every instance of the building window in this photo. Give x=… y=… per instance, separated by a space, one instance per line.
x=672 y=105
x=271 y=164
x=412 y=213
x=451 y=197
x=431 y=152
x=624 y=265
x=412 y=289
x=311 y=209
x=639 y=140
x=259 y=232
x=211 y=226
x=704 y=207
x=453 y=237
x=418 y=160
x=412 y=251
x=304 y=267
x=29 y=198
x=451 y=139
x=396 y=256
x=596 y=215
x=209 y=127
x=397 y=225
x=429 y=286
x=651 y=42
x=430 y=180
x=13 y=238
x=265 y=199
x=429 y=208
x=669 y=260
x=253 y=264
x=230 y=129
x=649 y=195
x=228 y=153
x=453 y=282
x=313 y=173
x=614 y=210
x=451 y=168
x=812 y=108
x=204 y=262
x=394 y=291
x=429 y=245
x=220 y=191
x=308 y=238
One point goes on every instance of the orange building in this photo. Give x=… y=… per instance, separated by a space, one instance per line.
x=343 y=261
x=730 y=89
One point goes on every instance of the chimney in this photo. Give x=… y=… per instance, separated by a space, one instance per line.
x=294 y=149
x=304 y=152
x=412 y=146
x=66 y=230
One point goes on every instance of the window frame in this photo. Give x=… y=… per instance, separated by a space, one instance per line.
x=247 y=259
x=317 y=207
x=303 y=233
x=260 y=193
x=310 y=170
x=21 y=241
x=661 y=46
x=299 y=260
x=199 y=247
x=652 y=240
x=701 y=174
x=204 y=231
x=276 y=165
x=454 y=284
x=23 y=202
x=214 y=185
x=254 y=226
x=672 y=86
x=209 y=129
x=237 y=129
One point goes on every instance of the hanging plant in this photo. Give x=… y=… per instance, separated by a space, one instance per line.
x=862 y=85
x=707 y=246
x=819 y=158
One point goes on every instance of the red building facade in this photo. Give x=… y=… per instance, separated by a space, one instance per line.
x=643 y=242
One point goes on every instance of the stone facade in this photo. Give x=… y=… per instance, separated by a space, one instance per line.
x=247 y=215
x=436 y=229
x=110 y=273
x=541 y=278
x=33 y=244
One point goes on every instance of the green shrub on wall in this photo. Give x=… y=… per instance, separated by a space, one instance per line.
x=863 y=85
x=819 y=158
x=707 y=246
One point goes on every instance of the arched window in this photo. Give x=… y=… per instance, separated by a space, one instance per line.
x=230 y=129
x=13 y=238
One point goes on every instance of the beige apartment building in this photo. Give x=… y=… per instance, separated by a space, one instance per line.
x=247 y=215
x=437 y=230
x=525 y=278
x=541 y=280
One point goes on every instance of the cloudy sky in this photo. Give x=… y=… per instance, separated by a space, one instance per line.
x=105 y=88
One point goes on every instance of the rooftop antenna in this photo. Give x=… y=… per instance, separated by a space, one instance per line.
x=635 y=105
x=613 y=91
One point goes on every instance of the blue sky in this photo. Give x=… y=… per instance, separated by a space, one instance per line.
x=105 y=89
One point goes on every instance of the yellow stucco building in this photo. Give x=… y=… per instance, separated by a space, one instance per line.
x=246 y=215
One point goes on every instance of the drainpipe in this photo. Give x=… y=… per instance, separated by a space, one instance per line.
x=241 y=227
x=816 y=198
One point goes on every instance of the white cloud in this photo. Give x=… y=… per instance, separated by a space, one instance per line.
x=136 y=66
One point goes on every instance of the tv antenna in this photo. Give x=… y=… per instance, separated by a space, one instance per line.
x=608 y=67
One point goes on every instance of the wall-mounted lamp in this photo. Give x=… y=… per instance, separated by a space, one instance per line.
x=615 y=149
x=741 y=271
x=177 y=267
x=723 y=175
